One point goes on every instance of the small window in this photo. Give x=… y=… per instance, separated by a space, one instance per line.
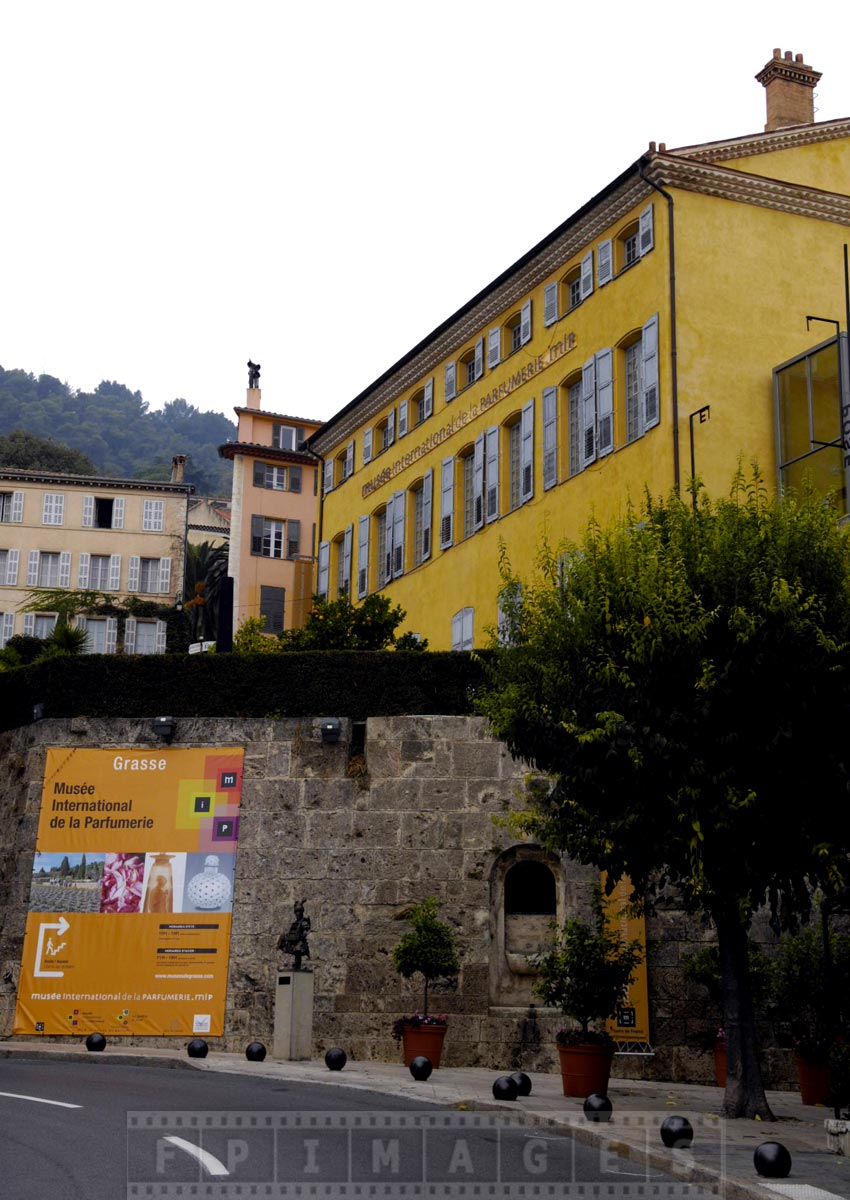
x=48 y=570
x=103 y=512
x=284 y=437
x=572 y=288
x=152 y=515
x=530 y=889
x=44 y=624
x=628 y=246
x=463 y=629
x=53 y=510
x=145 y=637
x=272 y=601
x=148 y=576
x=99 y=572
x=267 y=537
x=11 y=506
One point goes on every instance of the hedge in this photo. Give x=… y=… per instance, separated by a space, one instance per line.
x=352 y=684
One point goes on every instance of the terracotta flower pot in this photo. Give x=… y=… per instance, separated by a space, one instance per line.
x=585 y=1069
x=423 y=1039
x=720 y=1063
x=813 y=1077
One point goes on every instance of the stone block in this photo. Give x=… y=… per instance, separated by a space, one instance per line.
x=477 y=760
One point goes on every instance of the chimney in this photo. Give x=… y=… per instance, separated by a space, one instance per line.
x=790 y=85
x=178 y=467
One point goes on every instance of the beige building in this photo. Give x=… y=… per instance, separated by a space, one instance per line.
x=209 y=521
x=121 y=537
x=273 y=516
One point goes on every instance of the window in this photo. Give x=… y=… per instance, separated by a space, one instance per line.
x=148 y=574
x=576 y=286
x=574 y=425
x=520 y=435
x=101 y=634
x=472 y=364
x=323 y=568
x=517 y=330
x=462 y=629
x=152 y=515
x=550 y=437
x=630 y=247
x=422 y=508
x=267 y=537
x=385 y=432
x=422 y=403
x=7 y=627
x=573 y=288
x=381 y=523
x=272 y=601
x=277 y=479
x=346 y=461
x=48 y=571
x=513 y=464
x=530 y=889
x=808 y=405
x=43 y=625
x=53 y=508
x=144 y=637
x=394 y=536
x=491 y=474
x=285 y=437
x=103 y=512
x=9 y=567
x=342 y=548
x=11 y=506
x=363 y=557
x=99 y=572
x=293 y=539
x=633 y=364
x=447 y=500
x=468 y=471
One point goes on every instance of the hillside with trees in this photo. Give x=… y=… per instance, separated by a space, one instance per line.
x=113 y=428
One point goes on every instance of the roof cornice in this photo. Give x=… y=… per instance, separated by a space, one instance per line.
x=272 y=416
x=726 y=183
x=258 y=450
x=765 y=143
x=131 y=485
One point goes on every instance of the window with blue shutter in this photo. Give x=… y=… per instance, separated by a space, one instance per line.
x=550 y=437
x=604 y=401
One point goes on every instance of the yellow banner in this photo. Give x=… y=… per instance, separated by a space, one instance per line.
x=631 y=1024
x=128 y=931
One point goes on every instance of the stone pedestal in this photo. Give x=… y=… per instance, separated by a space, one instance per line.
x=293 y=1016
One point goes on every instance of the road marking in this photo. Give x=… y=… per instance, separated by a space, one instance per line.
x=800 y=1191
x=208 y=1161
x=39 y=1100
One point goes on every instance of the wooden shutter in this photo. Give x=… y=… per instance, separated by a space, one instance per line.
x=526 y=453
x=29 y=624
x=494 y=347
x=402 y=419
x=324 y=564
x=293 y=538
x=272 y=600
x=346 y=560
x=478 y=483
x=17 y=506
x=257 y=526
x=649 y=347
x=32 y=569
x=428 y=402
x=479 y=357
x=491 y=473
x=525 y=323
x=118 y=512
x=8 y=628
x=80 y=622
x=427 y=506
x=114 y=572
x=398 y=534
x=451 y=380
x=550 y=304
x=367 y=446
x=83 y=570
x=604 y=262
x=363 y=557
x=390 y=427
x=604 y=401
x=65 y=569
x=388 y=540
x=587 y=275
x=259 y=474
x=160 y=637
x=111 y=642
x=588 y=406
x=328 y=479
x=646 y=236
x=550 y=437
x=447 y=488
x=12 y=559
x=457 y=630
x=88 y=512
x=133 y=570
x=164 y=576
x=467 y=628
x=295 y=479
x=130 y=635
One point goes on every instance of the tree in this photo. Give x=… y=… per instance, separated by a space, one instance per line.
x=428 y=948
x=27 y=452
x=334 y=625
x=206 y=570
x=684 y=676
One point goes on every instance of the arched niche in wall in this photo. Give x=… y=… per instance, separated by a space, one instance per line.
x=527 y=894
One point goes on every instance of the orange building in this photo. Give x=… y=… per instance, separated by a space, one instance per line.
x=273 y=517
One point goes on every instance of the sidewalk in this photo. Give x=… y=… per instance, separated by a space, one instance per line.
x=721 y=1153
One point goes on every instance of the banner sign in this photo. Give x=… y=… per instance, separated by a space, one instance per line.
x=128 y=928
x=631 y=1024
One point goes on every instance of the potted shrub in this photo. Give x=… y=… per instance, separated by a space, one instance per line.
x=429 y=950
x=811 y=987
x=586 y=974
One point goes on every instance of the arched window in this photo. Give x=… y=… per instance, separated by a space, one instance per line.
x=530 y=890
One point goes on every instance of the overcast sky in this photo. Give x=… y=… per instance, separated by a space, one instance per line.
x=317 y=186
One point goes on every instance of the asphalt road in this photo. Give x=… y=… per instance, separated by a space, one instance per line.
x=100 y=1131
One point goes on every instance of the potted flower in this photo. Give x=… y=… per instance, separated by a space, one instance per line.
x=586 y=975
x=427 y=949
x=811 y=987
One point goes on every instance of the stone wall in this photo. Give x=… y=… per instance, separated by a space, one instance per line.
x=360 y=837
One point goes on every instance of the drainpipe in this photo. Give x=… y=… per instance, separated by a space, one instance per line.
x=674 y=375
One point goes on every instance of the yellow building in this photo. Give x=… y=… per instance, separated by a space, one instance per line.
x=635 y=343
x=124 y=537
x=273 y=515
